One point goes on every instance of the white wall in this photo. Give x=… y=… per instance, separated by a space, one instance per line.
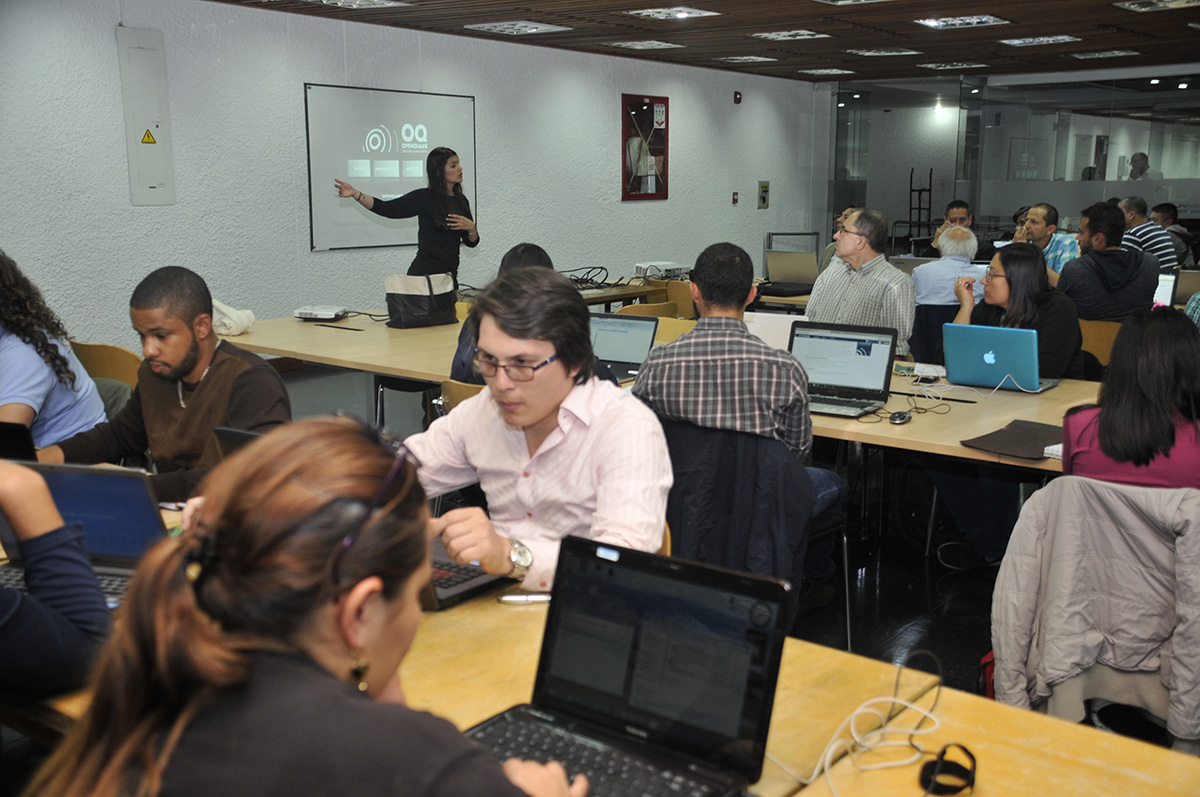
x=908 y=139
x=548 y=152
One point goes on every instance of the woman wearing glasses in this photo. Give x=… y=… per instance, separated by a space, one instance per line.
x=258 y=653
x=1017 y=293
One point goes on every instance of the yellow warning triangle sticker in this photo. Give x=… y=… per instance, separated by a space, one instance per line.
x=148 y=139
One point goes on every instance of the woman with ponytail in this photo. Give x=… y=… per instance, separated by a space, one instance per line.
x=258 y=653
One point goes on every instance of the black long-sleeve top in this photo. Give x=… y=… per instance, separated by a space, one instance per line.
x=437 y=244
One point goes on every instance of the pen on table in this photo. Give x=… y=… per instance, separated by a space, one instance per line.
x=932 y=398
x=348 y=329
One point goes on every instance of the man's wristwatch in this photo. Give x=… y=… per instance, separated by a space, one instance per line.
x=521 y=558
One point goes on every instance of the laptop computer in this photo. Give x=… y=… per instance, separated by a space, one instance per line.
x=16 y=442
x=672 y=671
x=849 y=367
x=622 y=341
x=1188 y=284
x=452 y=583
x=789 y=273
x=993 y=357
x=774 y=329
x=118 y=513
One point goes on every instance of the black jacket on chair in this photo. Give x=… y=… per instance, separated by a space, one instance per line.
x=740 y=501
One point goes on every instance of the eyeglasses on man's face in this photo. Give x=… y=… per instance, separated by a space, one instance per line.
x=487 y=368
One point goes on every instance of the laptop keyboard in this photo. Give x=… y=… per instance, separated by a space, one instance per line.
x=833 y=401
x=610 y=771
x=451 y=574
x=112 y=586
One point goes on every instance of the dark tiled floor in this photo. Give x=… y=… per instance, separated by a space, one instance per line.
x=901 y=602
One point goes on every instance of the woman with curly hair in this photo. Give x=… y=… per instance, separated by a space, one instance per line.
x=42 y=384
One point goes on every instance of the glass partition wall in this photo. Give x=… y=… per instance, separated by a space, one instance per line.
x=910 y=147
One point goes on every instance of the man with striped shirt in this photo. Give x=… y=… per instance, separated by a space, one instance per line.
x=862 y=287
x=1146 y=236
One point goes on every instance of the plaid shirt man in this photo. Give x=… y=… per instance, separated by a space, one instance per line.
x=720 y=376
x=876 y=295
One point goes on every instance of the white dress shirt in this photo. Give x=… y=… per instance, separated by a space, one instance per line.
x=602 y=474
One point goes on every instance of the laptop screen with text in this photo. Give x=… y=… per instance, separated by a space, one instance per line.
x=835 y=356
x=621 y=338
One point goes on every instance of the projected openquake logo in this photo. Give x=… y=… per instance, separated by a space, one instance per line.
x=383 y=139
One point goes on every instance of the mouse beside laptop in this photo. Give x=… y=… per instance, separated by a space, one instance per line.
x=900 y=417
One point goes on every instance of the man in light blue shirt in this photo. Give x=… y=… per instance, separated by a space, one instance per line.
x=1041 y=230
x=934 y=281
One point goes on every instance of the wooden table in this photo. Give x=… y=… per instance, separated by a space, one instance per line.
x=479 y=658
x=1021 y=752
x=616 y=293
x=940 y=434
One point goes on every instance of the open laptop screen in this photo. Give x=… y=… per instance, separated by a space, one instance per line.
x=114 y=505
x=679 y=654
x=622 y=338
x=837 y=356
x=1165 y=294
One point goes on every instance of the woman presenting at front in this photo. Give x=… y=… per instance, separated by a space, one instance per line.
x=443 y=214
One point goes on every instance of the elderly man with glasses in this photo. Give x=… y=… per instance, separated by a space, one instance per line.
x=556 y=450
x=864 y=288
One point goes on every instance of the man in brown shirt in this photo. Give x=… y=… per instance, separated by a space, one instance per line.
x=190 y=382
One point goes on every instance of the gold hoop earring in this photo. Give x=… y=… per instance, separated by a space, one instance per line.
x=358 y=669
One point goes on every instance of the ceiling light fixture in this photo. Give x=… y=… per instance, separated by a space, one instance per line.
x=1183 y=85
x=790 y=35
x=745 y=59
x=825 y=71
x=849 y=2
x=885 y=51
x=953 y=65
x=1154 y=81
x=975 y=21
x=841 y=105
x=1157 y=5
x=1104 y=54
x=649 y=44
x=1037 y=41
x=674 y=12
x=516 y=28
x=359 y=4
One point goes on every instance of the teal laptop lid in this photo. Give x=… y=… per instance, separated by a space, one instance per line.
x=990 y=357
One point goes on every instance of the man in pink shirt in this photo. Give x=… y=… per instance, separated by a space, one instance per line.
x=556 y=450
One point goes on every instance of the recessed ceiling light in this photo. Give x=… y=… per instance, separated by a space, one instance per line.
x=841 y=105
x=856 y=96
x=850 y=2
x=884 y=51
x=975 y=21
x=517 y=28
x=1195 y=25
x=790 y=35
x=745 y=59
x=649 y=44
x=359 y=3
x=1154 y=81
x=953 y=65
x=1104 y=54
x=674 y=12
x=1156 y=5
x=1039 y=40
x=974 y=91
x=1183 y=85
x=825 y=71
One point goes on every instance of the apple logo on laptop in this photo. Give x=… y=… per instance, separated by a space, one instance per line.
x=990 y=358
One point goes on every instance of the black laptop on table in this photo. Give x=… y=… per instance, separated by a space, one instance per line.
x=656 y=675
x=622 y=341
x=789 y=273
x=849 y=367
x=118 y=513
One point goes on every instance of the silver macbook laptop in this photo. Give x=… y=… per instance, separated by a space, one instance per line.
x=622 y=341
x=663 y=684
x=993 y=357
x=118 y=513
x=774 y=329
x=849 y=367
